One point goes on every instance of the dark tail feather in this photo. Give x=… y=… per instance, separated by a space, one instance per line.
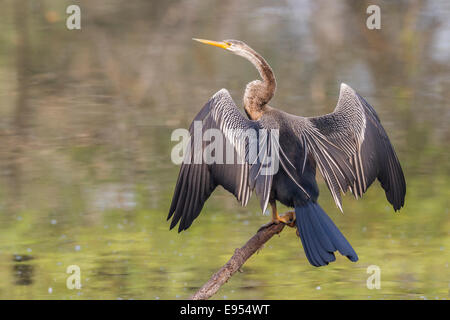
x=320 y=236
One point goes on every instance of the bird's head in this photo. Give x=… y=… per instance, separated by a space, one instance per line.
x=257 y=93
x=235 y=46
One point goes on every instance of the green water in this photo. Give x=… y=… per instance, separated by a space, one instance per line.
x=85 y=124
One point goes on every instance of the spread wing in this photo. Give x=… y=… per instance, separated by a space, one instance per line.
x=351 y=149
x=234 y=155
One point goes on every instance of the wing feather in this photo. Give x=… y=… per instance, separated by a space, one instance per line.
x=198 y=179
x=352 y=149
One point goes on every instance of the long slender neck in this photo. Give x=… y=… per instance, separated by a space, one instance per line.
x=258 y=93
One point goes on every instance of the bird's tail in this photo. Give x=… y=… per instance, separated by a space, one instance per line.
x=320 y=236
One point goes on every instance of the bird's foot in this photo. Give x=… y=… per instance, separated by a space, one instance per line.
x=288 y=219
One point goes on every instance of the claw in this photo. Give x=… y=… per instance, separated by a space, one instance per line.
x=288 y=219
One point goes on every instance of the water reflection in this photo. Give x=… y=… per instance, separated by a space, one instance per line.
x=23 y=272
x=86 y=118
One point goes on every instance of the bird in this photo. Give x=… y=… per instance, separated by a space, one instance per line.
x=349 y=147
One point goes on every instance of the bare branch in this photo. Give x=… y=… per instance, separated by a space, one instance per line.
x=236 y=261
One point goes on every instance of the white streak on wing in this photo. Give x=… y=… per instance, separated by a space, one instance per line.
x=282 y=152
x=292 y=178
x=305 y=145
x=324 y=152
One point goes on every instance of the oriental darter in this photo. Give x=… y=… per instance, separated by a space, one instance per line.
x=349 y=147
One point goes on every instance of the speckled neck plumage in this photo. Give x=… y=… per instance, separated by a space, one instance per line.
x=258 y=92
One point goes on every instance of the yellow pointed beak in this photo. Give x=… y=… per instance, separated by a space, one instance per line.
x=221 y=44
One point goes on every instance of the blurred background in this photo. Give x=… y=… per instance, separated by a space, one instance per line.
x=86 y=118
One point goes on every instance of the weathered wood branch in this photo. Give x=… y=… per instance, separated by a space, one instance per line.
x=236 y=261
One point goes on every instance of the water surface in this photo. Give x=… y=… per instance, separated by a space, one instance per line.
x=85 y=123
